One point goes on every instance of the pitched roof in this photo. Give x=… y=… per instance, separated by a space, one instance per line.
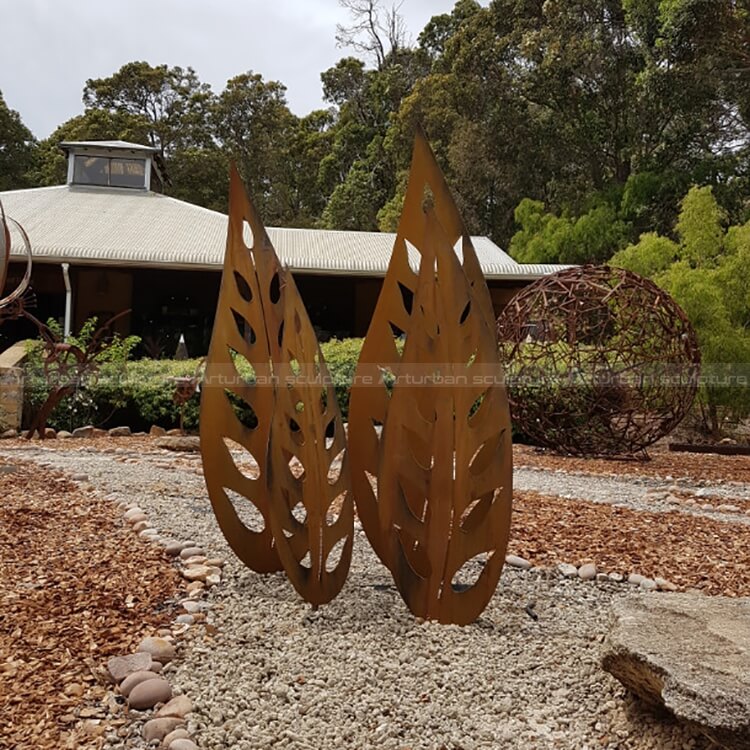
x=125 y=227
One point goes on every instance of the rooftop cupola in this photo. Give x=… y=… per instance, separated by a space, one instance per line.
x=114 y=164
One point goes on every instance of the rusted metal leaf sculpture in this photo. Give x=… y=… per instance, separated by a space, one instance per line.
x=239 y=372
x=434 y=488
x=253 y=399
x=311 y=505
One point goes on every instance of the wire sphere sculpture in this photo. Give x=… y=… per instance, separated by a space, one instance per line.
x=599 y=361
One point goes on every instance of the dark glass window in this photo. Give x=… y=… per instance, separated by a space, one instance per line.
x=101 y=170
x=91 y=170
x=127 y=173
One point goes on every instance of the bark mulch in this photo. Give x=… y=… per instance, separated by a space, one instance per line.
x=690 y=551
x=663 y=463
x=75 y=587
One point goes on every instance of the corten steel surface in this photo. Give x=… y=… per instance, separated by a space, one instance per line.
x=245 y=313
x=434 y=489
x=601 y=361
x=311 y=505
x=261 y=322
x=12 y=305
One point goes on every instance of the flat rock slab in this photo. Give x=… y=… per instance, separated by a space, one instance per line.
x=180 y=443
x=691 y=655
x=122 y=666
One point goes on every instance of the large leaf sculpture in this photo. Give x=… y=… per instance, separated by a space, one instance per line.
x=434 y=486
x=248 y=308
x=264 y=364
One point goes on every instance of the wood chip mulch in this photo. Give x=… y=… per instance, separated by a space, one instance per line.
x=75 y=588
x=690 y=551
x=663 y=463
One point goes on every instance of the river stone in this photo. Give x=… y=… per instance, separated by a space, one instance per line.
x=183 y=745
x=188 y=552
x=178 y=734
x=158 y=729
x=121 y=666
x=119 y=432
x=178 y=706
x=568 y=570
x=197 y=573
x=160 y=649
x=587 y=571
x=149 y=693
x=517 y=562
x=184 y=443
x=689 y=654
x=83 y=432
x=135 y=679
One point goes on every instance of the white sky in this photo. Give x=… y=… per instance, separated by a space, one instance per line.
x=48 y=48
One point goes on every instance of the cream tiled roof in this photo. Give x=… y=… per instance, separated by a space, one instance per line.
x=124 y=227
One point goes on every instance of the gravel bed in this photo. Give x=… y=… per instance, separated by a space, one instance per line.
x=362 y=672
x=628 y=492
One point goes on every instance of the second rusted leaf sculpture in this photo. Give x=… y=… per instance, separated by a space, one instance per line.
x=270 y=425
x=432 y=462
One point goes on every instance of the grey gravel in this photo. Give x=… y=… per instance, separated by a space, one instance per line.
x=362 y=672
x=636 y=493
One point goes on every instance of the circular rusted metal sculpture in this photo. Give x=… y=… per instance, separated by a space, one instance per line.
x=600 y=361
x=11 y=306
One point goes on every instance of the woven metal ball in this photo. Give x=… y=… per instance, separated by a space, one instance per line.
x=599 y=361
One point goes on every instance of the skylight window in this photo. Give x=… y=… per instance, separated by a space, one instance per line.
x=109 y=172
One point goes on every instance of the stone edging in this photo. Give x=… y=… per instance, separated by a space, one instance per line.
x=139 y=675
x=589 y=572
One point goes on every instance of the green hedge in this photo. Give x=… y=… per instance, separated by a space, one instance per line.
x=140 y=393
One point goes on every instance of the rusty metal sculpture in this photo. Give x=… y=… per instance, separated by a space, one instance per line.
x=185 y=387
x=600 y=361
x=67 y=367
x=12 y=305
x=264 y=366
x=434 y=486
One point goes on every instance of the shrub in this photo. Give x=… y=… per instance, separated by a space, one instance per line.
x=141 y=393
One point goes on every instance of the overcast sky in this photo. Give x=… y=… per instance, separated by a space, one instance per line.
x=50 y=47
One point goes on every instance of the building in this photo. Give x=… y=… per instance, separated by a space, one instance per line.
x=125 y=245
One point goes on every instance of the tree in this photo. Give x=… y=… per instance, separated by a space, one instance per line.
x=546 y=238
x=254 y=124
x=173 y=102
x=17 y=149
x=359 y=174
x=699 y=227
x=708 y=274
x=376 y=31
x=200 y=176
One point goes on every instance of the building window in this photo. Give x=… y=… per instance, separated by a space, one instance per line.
x=127 y=173
x=116 y=172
